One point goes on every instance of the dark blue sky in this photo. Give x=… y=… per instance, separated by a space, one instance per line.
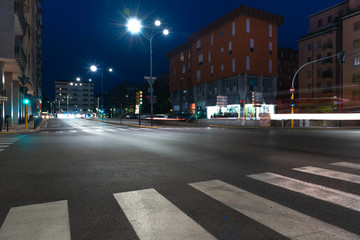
x=78 y=33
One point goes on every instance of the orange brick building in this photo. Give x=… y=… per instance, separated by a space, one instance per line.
x=233 y=56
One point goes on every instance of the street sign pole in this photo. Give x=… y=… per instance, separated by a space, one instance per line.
x=292 y=90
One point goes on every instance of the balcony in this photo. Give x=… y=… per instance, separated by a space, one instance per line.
x=20 y=23
x=20 y=55
x=327 y=46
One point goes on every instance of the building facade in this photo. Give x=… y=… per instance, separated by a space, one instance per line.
x=287 y=67
x=20 y=57
x=327 y=84
x=233 y=57
x=74 y=97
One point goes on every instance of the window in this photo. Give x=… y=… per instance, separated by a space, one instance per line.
x=222 y=32
x=189 y=68
x=270 y=30
x=270 y=66
x=356 y=26
x=201 y=59
x=182 y=58
x=198 y=45
x=181 y=82
x=270 y=48
x=308 y=73
x=183 y=69
x=222 y=67
x=320 y=23
x=212 y=71
x=189 y=54
x=252 y=83
x=230 y=48
x=267 y=85
x=356 y=78
x=233 y=28
x=189 y=81
x=328 y=84
x=319 y=72
x=233 y=65
x=356 y=43
x=309 y=47
x=212 y=39
x=209 y=56
x=356 y=95
x=356 y=61
x=198 y=75
x=248 y=25
x=329 y=19
x=222 y=50
x=251 y=44
x=318 y=44
x=247 y=63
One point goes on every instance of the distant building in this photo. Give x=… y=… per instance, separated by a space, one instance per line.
x=332 y=31
x=287 y=66
x=233 y=56
x=20 y=57
x=73 y=97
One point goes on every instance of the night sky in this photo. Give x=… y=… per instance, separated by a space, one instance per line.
x=78 y=33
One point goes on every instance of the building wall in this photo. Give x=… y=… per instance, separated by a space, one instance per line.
x=334 y=13
x=351 y=67
x=7 y=30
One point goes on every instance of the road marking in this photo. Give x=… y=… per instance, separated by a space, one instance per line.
x=122 y=129
x=59 y=132
x=45 y=132
x=4 y=146
x=1 y=149
x=99 y=130
x=154 y=217
x=340 y=198
x=73 y=131
x=347 y=165
x=281 y=219
x=111 y=130
x=37 y=222
x=330 y=174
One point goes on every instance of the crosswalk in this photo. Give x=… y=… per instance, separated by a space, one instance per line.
x=96 y=130
x=153 y=216
x=7 y=141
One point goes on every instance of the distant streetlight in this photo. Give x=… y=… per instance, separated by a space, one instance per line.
x=78 y=79
x=90 y=80
x=94 y=68
x=134 y=26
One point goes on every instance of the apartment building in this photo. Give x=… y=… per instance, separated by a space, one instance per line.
x=20 y=57
x=351 y=67
x=326 y=83
x=287 y=67
x=74 y=97
x=233 y=57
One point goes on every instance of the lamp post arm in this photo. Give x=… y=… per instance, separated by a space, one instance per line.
x=308 y=63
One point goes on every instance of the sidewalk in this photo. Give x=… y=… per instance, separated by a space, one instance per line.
x=20 y=128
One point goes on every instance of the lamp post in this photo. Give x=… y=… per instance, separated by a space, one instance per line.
x=134 y=26
x=94 y=69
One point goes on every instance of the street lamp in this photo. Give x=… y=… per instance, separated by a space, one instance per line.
x=94 y=69
x=134 y=26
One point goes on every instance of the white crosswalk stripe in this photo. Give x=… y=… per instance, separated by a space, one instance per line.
x=281 y=219
x=37 y=222
x=340 y=198
x=6 y=142
x=347 y=165
x=330 y=174
x=154 y=217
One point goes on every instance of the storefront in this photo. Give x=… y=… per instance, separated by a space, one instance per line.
x=235 y=111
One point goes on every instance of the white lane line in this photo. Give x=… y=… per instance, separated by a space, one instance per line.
x=73 y=131
x=122 y=129
x=59 y=132
x=4 y=146
x=111 y=130
x=99 y=130
x=86 y=130
x=340 y=198
x=330 y=174
x=154 y=217
x=37 y=222
x=1 y=149
x=347 y=165
x=279 y=218
x=45 y=132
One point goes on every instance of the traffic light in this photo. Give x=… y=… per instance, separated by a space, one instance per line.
x=292 y=102
x=242 y=103
x=26 y=101
x=253 y=98
x=139 y=98
x=341 y=57
x=154 y=99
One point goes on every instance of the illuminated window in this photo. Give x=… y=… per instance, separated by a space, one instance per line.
x=222 y=67
x=230 y=48
x=270 y=30
x=248 y=25
x=201 y=59
x=251 y=45
x=183 y=68
x=209 y=56
x=233 y=28
x=182 y=58
x=247 y=63
x=356 y=61
x=270 y=48
x=212 y=39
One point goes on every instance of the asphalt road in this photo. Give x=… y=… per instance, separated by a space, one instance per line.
x=83 y=179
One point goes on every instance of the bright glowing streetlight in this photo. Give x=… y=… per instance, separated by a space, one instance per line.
x=78 y=79
x=110 y=69
x=93 y=68
x=90 y=80
x=134 y=27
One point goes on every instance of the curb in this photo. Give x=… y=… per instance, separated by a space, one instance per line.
x=8 y=132
x=124 y=124
x=295 y=128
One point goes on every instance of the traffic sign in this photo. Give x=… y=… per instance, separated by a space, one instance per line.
x=149 y=90
x=147 y=78
x=4 y=99
x=292 y=90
